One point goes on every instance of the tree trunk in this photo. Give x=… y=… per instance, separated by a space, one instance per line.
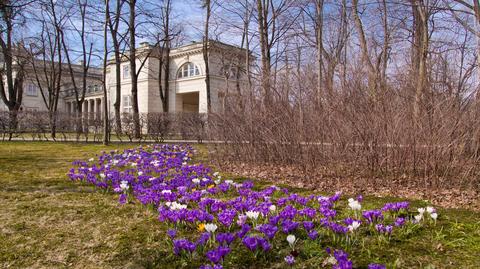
x=133 y=70
x=206 y=56
x=106 y=127
x=13 y=123
x=421 y=43
x=118 y=91
x=319 y=41
x=371 y=73
x=265 y=52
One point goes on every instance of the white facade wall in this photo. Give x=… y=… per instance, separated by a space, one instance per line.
x=182 y=91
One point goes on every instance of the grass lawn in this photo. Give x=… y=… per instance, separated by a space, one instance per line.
x=47 y=221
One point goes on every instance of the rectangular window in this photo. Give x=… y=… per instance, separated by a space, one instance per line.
x=126 y=72
x=127 y=104
x=32 y=90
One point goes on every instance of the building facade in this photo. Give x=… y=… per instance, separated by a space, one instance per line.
x=187 y=86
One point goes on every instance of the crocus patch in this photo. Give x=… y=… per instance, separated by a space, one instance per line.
x=218 y=216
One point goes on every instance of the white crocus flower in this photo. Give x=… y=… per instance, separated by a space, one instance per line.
x=205 y=179
x=210 y=227
x=177 y=206
x=215 y=174
x=91 y=159
x=434 y=215
x=272 y=208
x=124 y=185
x=352 y=227
x=291 y=240
x=354 y=204
x=430 y=210
x=217 y=181
x=166 y=191
x=418 y=217
x=102 y=175
x=229 y=181
x=140 y=173
x=196 y=180
x=421 y=210
x=252 y=214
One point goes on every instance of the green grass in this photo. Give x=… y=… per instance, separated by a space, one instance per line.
x=47 y=221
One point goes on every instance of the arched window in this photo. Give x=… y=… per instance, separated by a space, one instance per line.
x=188 y=70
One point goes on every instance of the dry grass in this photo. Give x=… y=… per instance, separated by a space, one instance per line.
x=51 y=222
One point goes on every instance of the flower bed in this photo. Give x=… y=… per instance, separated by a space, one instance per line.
x=210 y=219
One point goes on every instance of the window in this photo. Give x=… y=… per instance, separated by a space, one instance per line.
x=188 y=70
x=126 y=71
x=127 y=104
x=32 y=90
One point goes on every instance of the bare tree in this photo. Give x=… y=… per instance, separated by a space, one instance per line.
x=117 y=39
x=207 y=5
x=46 y=60
x=133 y=66
x=319 y=44
x=372 y=81
x=421 y=14
x=164 y=57
x=106 y=122
x=12 y=71
x=86 y=53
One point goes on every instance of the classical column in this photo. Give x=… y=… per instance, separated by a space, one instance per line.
x=99 y=108
x=93 y=109
x=85 y=109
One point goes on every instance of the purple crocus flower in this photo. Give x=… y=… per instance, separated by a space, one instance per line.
x=288 y=226
x=250 y=242
x=225 y=238
x=274 y=220
x=290 y=260
x=226 y=217
x=243 y=231
x=372 y=216
x=264 y=244
x=214 y=256
x=122 y=199
x=313 y=234
x=395 y=207
x=342 y=260
x=172 y=233
x=268 y=230
x=183 y=244
x=203 y=239
x=308 y=225
x=399 y=222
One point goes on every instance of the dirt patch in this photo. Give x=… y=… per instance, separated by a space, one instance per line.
x=435 y=191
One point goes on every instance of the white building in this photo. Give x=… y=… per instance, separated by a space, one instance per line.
x=187 y=87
